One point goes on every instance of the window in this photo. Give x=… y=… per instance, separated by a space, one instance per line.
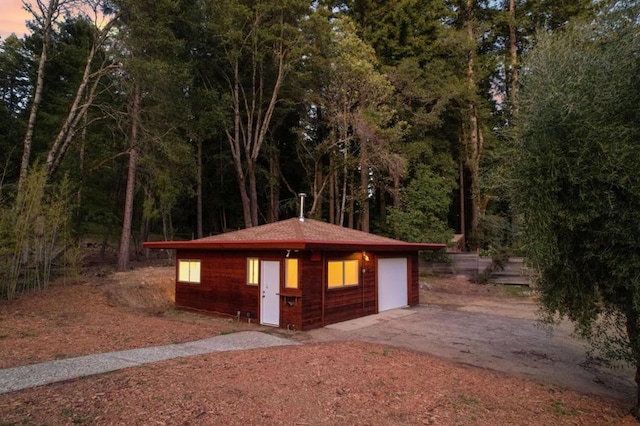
x=291 y=273
x=189 y=271
x=342 y=273
x=253 y=270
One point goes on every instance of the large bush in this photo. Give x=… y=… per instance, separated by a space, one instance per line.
x=577 y=180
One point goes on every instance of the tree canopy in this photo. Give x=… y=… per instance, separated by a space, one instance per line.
x=576 y=180
x=177 y=119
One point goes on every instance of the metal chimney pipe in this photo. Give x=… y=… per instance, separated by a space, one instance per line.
x=302 y=195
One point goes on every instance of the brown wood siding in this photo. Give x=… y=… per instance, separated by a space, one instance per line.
x=414 y=278
x=222 y=288
x=340 y=304
x=291 y=312
x=352 y=302
x=311 y=278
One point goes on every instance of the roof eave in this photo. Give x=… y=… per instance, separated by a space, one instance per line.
x=225 y=245
x=293 y=245
x=373 y=246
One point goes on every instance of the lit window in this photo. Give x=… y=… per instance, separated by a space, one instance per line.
x=342 y=273
x=253 y=270
x=291 y=271
x=189 y=271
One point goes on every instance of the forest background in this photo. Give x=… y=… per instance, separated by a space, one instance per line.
x=136 y=120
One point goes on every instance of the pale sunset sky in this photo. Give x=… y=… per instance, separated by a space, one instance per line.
x=12 y=18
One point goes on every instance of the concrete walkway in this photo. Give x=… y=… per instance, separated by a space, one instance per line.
x=17 y=378
x=370 y=320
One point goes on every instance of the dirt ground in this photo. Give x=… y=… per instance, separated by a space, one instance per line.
x=345 y=382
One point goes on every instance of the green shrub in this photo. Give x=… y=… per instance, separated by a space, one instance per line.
x=34 y=234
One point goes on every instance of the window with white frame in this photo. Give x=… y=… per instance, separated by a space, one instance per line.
x=342 y=273
x=253 y=271
x=189 y=271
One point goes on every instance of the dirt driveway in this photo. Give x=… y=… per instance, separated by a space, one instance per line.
x=501 y=334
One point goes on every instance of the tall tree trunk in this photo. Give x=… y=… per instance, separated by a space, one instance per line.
x=382 y=205
x=474 y=150
x=319 y=183
x=395 y=193
x=364 y=187
x=274 y=186
x=236 y=149
x=81 y=102
x=263 y=121
x=255 y=106
x=513 y=54
x=145 y=226
x=351 y=209
x=47 y=21
x=244 y=197
x=463 y=224
x=343 y=202
x=83 y=99
x=125 y=239
x=474 y=139
x=81 y=154
x=223 y=220
x=199 y=190
x=253 y=191
x=166 y=227
x=332 y=190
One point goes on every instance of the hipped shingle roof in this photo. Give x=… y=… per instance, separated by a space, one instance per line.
x=294 y=234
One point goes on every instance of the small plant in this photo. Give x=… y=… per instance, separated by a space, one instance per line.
x=385 y=352
x=498 y=261
x=516 y=291
x=560 y=408
x=467 y=400
x=72 y=260
x=76 y=418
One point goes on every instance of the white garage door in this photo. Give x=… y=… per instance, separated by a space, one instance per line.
x=392 y=284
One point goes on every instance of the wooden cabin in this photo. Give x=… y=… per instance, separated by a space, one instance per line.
x=297 y=274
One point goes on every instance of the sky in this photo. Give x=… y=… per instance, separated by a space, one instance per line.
x=12 y=18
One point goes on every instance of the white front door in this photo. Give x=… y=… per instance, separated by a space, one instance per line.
x=270 y=287
x=392 y=283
